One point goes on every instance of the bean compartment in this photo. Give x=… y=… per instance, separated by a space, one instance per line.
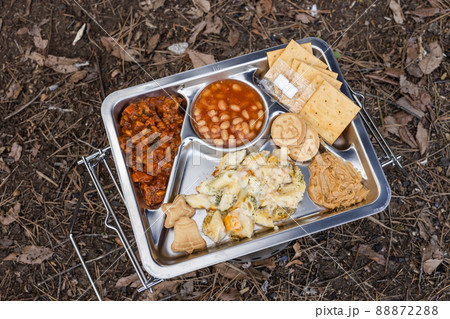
x=228 y=113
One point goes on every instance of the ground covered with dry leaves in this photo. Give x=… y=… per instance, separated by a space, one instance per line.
x=58 y=63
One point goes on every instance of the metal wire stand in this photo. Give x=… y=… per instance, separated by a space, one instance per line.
x=99 y=158
x=91 y=162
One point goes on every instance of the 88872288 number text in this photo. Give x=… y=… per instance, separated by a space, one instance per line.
x=407 y=310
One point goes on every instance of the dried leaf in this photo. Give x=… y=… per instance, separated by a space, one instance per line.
x=58 y=64
x=178 y=48
x=213 y=24
x=35 y=149
x=79 y=34
x=264 y=7
x=16 y=151
x=77 y=76
x=402 y=118
x=4 y=167
x=40 y=43
x=297 y=249
x=397 y=12
x=233 y=36
x=200 y=59
x=31 y=255
x=432 y=255
x=435 y=4
x=414 y=70
x=13 y=91
x=152 y=43
x=23 y=31
x=422 y=138
x=11 y=215
x=406 y=137
x=119 y=51
x=408 y=87
x=5 y=243
x=426 y=228
x=127 y=281
x=431 y=264
x=228 y=272
x=425 y=12
x=412 y=51
x=268 y=263
x=170 y=286
x=199 y=27
x=27 y=8
x=304 y=18
x=368 y=252
x=147 y=5
x=433 y=59
x=204 y=5
x=232 y=294
x=294 y=262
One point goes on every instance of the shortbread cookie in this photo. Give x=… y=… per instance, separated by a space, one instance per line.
x=174 y=211
x=187 y=236
x=306 y=150
x=288 y=129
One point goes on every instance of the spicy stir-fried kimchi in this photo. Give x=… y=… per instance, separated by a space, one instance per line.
x=150 y=137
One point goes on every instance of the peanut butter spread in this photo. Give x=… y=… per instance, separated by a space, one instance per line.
x=335 y=183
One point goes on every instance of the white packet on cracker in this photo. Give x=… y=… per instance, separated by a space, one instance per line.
x=287 y=86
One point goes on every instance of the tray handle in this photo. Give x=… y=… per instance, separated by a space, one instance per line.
x=90 y=163
x=389 y=157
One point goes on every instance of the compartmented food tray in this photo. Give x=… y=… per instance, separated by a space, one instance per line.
x=196 y=161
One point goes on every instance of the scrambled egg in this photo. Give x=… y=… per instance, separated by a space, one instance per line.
x=259 y=188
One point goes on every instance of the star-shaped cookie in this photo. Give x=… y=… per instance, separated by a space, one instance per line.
x=174 y=211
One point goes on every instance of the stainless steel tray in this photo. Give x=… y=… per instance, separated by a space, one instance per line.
x=196 y=161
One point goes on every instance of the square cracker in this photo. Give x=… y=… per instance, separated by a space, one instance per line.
x=296 y=51
x=272 y=56
x=309 y=73
x=329 y=112
x=331 y=74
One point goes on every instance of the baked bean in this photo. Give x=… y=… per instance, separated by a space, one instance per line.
x=235 y=107
x=222 y=105
x=252 y=123
x=206 y=135
x=237 y=120
x=236 y=87
x=201 y=123
x=214 y=129
x=196 y=112
x=258 y=124
x=240 y=135
x=215 y=119
x=254 y=108
x=259 y=104
x=224 y=117
x=224 y=135
x=225 y=125
x=203 y=129
x=260 y=113
x=206 y=93
x=245 y=114
x=250 y=135
x=219 y=142
x=245 y=128
x=211 y=113
x=231 y=137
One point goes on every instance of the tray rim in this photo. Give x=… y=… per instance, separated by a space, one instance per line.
x=168 y=271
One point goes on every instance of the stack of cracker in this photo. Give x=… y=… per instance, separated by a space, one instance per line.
x=314 y=91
